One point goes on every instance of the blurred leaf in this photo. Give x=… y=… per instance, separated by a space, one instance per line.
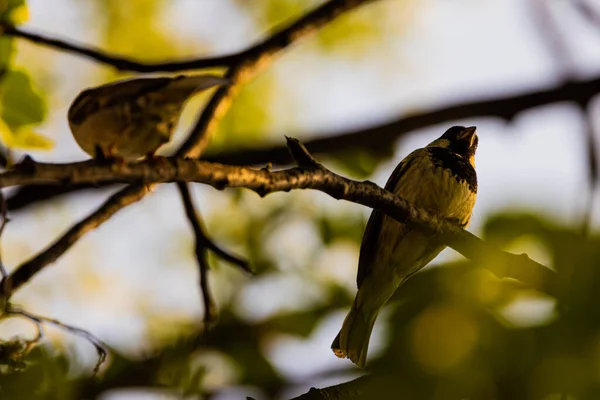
x=22 y=105
x=339 y=227
x=361 y=163
x=24 y=138
x=271 y=13
x=14 y=11
x=137 y=28
x=249 y=116
x=6 y=53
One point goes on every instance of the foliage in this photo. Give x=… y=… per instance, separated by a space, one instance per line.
x=456 y=331
x=21 y=106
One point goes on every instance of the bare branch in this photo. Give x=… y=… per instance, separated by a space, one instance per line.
x=588 y=11
x=203 y=243
x=592 y=164
x=354 y=389
x=118 y=62
x=99 y=345
x=201 y=237
x=4 y=217
x=316 y=177
x=273 y=44
x=373 y=138
x=555 y=43
x=381 y=137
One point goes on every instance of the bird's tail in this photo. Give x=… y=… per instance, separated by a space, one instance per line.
x=353 y=340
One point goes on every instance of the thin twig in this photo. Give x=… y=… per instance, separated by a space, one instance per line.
x=210 y=308
x=99 y=345
x=553 y=40
x=118 y=62
x=195 y=220
x=588 y=11
x=5 y=220
x=592 y=162
x=309 y=175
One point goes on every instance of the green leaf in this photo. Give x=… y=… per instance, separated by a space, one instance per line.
x=361 y=163
x=21 y=104
x=13 y=11
x=24 y=138
x=6 y=52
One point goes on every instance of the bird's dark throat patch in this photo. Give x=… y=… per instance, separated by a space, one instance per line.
x=457 y=165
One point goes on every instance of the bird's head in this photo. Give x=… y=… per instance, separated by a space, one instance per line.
x=460 y=140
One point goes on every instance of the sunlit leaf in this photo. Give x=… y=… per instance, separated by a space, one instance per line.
x=22 y=104
x=24 y=138
x=14 y=11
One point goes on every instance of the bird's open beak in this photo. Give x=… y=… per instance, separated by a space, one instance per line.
x=468 y=135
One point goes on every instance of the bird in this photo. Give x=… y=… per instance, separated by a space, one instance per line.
x=439 y=178
x=131 y=118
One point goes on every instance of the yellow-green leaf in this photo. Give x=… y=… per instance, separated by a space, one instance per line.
x=24 y=138
x=21 y=104
x=14 y=11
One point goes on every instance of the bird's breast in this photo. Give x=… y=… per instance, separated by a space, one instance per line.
x=439 y=187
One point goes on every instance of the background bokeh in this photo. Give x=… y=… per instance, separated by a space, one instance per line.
x=133 y=281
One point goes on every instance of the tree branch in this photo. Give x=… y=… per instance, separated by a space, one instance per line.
x=353 y=389
x=203 y=244
x=118 y=62
x=382 y=136
x=308 y=175
x=385 y=135
x=273 y=44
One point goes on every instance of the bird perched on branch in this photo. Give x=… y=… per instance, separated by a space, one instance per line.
x=439 y=178
x=132 y=118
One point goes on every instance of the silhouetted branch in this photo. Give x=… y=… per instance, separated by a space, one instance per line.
x=271 y=45
x=119 y=62
x=592 y=168
x=375 y=138
x=588 y=11
x=308 y=175
x=383 y=136
x=354 y=389
x=99 y=345
x=547 y=26
x=204 y=243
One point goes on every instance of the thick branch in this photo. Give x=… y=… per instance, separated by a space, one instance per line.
x=354 y=389
x=307 y=176
x=383 y=136
x=374 y=138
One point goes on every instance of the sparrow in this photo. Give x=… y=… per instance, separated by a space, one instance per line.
x=440 y=178
x=132 y=118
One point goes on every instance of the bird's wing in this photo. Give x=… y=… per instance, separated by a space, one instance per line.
x=371 y=238
x=91 y=100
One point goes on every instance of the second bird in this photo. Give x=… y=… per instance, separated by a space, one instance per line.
x=132 y=118
x=439 y=178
